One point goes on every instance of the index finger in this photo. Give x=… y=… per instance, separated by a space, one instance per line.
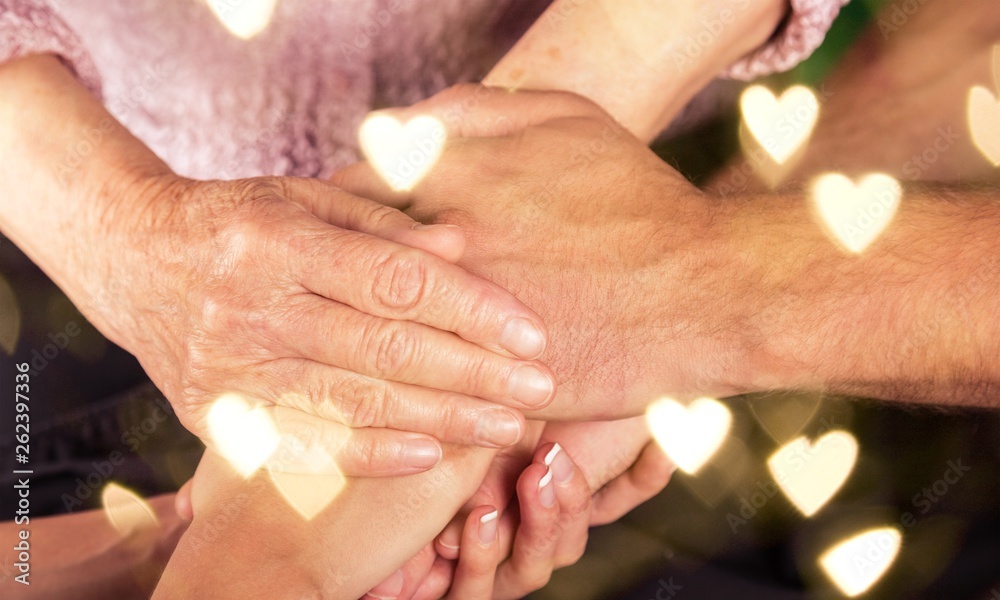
x=392 y=281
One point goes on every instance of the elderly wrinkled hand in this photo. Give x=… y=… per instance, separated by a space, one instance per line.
x=296 y=295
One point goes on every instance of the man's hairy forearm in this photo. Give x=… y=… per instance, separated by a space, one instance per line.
x=912 y=318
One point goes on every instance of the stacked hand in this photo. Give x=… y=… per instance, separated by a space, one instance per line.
x=315 y=303
x=520 y=182
x=621 y=256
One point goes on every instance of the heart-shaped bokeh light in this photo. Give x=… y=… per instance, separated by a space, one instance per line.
x=856 y=214
x=983 y=112
x=810 y=474
x=402 y=154
x=243 y=18
x=243 y=435
x=313 y=483
x=689 y=435
x=857 y=563
x=781 y=126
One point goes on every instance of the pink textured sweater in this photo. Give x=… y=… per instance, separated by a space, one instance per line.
x=289 y=100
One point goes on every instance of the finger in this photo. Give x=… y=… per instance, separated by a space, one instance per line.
x=533 y=556
x=316 y=329
x=359 y=401
x=361 y=180
x=573 y=496
x=342 y=209
x=497 y=489
x=438 y=580
x=311 y=445
x=472 y=110
x=416 y=570
x=477 y=563
x=389 y=589
x=388 y=280
x=644 y=479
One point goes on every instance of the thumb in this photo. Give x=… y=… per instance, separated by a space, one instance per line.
x=473 y=110
x=345 y=210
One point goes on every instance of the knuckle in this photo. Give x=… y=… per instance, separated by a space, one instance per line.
x=400 y=280
x=536 y=580
x=365 y=404
x=481 y=373
x=370 y=454
x=390 y=348
x=480 y=568
x=452 y=421
x=577 y=504
x=380 y=216
x=573 y=557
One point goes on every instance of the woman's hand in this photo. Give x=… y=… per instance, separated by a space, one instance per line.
x=619 y=468
x=294 y=294
x=544 y=530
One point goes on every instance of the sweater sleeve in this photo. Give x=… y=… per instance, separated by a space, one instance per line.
x=34 y=27
x=801 y=33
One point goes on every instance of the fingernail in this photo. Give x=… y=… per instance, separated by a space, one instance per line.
x=422 y=454
x=488 y=528
x=390 y=588
x=498 y=428
x=442 y=226
x=562 y=468
x=448 y=542
x=530 y=386
x=546 y=494
x=521 y=338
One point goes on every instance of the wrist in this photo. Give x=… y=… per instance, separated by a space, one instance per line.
x=700 y=337
x=124 y=219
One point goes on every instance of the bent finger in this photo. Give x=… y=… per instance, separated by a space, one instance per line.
x=644 y=479
x=477 y=562
x=533 y=555
x=573 y=496
x=361 y=402
x=406 y=352
x=393 y=281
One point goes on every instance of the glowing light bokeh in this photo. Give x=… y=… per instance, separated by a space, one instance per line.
x=782 y=126
x=308 y=494
x=857 y=563
x=243 y=18
x=126 y=510
x=243 y=435
x=689 y=435
x=303 y=468
x=810 y=474
x=983 y=114
x=855 y=215
x=402 y=154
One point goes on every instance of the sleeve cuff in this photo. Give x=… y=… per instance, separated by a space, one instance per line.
x=801 y=33
x=33 y=27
